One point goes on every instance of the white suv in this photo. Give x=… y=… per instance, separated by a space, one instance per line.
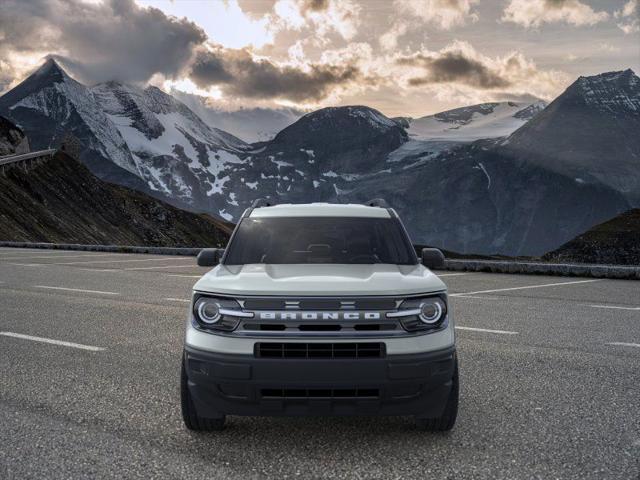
x=319 y=309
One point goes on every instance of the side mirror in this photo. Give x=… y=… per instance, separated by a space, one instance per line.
x=432 y=258
x=210 y=257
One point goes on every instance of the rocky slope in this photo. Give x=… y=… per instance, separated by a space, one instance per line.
x=12 y=140
x=616 y=241
x=60 y=201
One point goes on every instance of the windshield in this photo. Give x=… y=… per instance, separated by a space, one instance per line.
x=345 y=240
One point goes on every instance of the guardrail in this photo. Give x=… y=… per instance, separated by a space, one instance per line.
x=630 y=272
x=11 y=159
x=543 y=268
x=105 y=248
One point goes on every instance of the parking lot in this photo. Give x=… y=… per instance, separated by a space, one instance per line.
x=90 y=347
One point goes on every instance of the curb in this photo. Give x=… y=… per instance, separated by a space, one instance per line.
x=105 y=248
x=490 y=266
x=540 y=268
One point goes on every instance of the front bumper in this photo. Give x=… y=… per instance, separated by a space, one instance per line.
x=229 y=384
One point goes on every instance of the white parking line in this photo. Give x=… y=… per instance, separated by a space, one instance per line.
x=178 y=300
x=162 y=266
x=53 y=342
x=614 y=307
x=624 y=344
x=112 y=261
x=28 y=251
x=25 y=257
x=451 y=274
x=76 y=290
x=99 y=269
x=487 y=330
x=478 y=297
x=558 y=284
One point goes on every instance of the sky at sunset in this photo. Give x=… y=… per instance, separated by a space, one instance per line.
x=403 y=57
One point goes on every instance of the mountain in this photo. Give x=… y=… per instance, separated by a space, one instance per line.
x=466 y=124
x=250 y=124
x=477 y=199
x=612 y=242
x=60 y=201
x=522 y=194
x=590 y=133
x=139 y=138
x=49 y=104
x=532 y=191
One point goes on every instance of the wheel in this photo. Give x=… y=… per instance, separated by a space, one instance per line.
x=447 y=420
x=189 y=415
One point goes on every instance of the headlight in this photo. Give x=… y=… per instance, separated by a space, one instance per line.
x=431 y=311
x=214 y=313
x=208 y=310
x=428 y=313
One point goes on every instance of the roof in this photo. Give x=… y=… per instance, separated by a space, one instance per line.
x=320 y=210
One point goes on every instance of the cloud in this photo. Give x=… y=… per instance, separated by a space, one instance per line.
x=459 y=71
x=458 y=63
x=389 y=39
x=112 y=40
x=443 y=13
x=629 y=25
x=533 y=13
x=322 y=17
x=239 y=73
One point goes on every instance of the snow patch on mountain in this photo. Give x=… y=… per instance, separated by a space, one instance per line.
x=467 y=124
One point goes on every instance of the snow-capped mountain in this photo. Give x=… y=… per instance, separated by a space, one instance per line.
x=141 y=138
x=52 y=103
x=466 y=124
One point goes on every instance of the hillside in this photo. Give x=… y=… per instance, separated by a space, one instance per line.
x=616 y=241
x=60 y=201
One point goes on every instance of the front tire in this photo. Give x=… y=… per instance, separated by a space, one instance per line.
x=189 y=415
x=447 y=420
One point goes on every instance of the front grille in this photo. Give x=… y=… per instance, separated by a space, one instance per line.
x=320 y=303
x=307 y=393
x=292 y=326
x=320 y=350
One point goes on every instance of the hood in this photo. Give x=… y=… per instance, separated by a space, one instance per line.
x=321 y=279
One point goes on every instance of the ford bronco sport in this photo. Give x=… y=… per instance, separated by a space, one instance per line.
x=319 y=309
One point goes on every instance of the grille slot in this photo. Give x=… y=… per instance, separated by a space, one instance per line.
x=319 y=350
x=320 y=328
x=307 y=393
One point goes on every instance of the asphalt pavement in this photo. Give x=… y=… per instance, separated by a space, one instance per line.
x=90 y=348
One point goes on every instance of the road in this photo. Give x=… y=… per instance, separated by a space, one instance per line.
x=550 y=382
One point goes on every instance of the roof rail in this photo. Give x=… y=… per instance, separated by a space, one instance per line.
x=261 y=202
x=377 y=202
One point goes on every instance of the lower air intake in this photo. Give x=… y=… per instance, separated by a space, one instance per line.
x=320 y=393
x=320 y=350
